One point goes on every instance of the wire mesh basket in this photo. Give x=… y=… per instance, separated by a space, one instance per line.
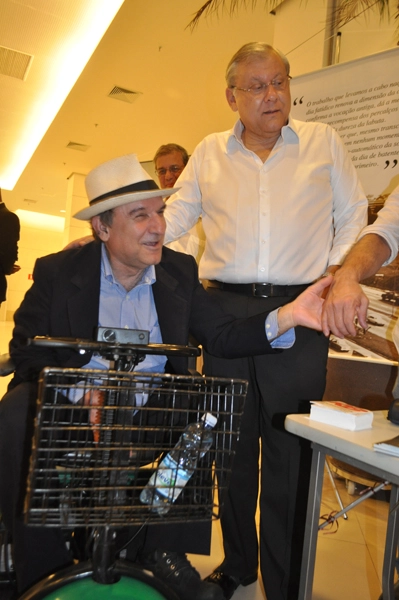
x=99 y=436
x=7 y=574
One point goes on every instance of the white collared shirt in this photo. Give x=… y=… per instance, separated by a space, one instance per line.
x=387 y=224
x=282 y=221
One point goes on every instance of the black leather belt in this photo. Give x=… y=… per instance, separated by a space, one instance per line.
x=260 y=290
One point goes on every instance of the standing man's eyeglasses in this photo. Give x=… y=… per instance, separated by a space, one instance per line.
x=260 y=88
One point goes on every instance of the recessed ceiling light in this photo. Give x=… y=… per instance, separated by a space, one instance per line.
x=37 y=220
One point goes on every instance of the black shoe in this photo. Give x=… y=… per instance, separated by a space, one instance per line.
x=176 y=571
x=396 y=591
x=229 y=583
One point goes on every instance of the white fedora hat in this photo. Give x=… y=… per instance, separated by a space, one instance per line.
x=116 y=182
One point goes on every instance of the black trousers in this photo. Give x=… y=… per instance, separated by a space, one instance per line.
x=40 y=551
x=279 y=384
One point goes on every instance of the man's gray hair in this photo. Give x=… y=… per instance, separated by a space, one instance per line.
x=249 y=51
x=168 y=149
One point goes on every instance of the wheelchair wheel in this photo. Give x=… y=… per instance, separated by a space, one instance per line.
x=77 y=582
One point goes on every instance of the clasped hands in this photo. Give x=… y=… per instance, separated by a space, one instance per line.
x=345 y=307
x=341 y=313
x=306 y=309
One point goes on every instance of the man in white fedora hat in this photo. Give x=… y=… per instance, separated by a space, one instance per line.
x=124 y=278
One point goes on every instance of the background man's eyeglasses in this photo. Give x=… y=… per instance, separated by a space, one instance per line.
x=173 y=169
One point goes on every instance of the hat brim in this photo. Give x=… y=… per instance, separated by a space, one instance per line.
x=120 y=200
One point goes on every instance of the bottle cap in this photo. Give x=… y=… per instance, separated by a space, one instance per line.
x=209 y=419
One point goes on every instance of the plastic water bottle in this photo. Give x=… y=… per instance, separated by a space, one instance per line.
x=172 y=474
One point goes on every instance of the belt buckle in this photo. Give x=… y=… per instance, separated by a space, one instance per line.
x=255 y=291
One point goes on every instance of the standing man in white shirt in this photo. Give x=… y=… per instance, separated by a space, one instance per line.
x=281 y=205
x=169 y=162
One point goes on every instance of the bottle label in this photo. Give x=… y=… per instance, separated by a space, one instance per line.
x=169 y=479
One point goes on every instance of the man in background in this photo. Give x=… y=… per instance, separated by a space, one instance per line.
x=9 y=237
x=281 y=205
x=169 y=162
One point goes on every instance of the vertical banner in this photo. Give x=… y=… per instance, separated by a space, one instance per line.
x=360 y=99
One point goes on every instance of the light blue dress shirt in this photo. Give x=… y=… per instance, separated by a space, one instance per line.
x=129 y=310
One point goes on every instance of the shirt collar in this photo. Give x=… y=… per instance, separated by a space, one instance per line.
x=148 y=278
x=289 y=133
x=235 y=137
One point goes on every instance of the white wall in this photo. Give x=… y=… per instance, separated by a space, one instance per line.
x=302 y=32
x=368 y=34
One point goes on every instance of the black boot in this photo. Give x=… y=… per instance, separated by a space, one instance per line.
x=176 y=571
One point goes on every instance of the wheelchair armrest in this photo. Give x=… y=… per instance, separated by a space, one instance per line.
x=6 y=365
x=194 y=372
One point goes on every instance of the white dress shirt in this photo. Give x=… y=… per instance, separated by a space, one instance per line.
x=387 y=224
x=192 y=242
x=282 y=221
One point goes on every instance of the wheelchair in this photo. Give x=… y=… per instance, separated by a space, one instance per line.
x=90 y=461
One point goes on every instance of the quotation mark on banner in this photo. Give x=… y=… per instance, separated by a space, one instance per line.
x=394 y=163
x=298 y=101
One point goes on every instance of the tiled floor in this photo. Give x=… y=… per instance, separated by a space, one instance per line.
x=349 y=561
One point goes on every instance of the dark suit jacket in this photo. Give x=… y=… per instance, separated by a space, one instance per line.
x=64 y=302
x=9 y=236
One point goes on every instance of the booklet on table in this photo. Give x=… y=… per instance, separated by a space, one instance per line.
x=389 y=446
x=341 y=414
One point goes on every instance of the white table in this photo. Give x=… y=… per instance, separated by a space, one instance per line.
x=355 y=448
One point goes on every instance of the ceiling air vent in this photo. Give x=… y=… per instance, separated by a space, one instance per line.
x=77 y=146
x=14 y=64
x=123 y=94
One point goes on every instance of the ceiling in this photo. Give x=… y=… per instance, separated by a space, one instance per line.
x=177 y=74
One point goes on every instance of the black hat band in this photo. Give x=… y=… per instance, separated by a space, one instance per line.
x=142 y=186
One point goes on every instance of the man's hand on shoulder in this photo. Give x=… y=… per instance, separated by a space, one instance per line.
x=79 y=242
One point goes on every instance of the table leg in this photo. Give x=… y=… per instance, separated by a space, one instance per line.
x=391 y=545
x=312 y=523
